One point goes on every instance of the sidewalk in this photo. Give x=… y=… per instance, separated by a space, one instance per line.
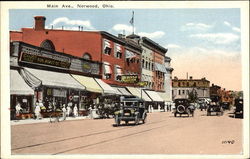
x=45 y=120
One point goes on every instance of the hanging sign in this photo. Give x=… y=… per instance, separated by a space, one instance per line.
x=129 y=79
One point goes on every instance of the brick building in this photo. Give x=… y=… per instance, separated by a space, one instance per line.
x=182 y=87
x=114 y=53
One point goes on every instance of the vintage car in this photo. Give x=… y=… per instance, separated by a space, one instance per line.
x=238 y=113
x=214 y=107
x=183 y=106
x=131 y=109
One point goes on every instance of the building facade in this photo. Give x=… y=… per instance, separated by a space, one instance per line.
x=183 y=87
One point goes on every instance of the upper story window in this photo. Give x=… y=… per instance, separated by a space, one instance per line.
x=118 y=72
x=143 y=63
x=48 y=45
x=118 y=51
x=107 y=47
x=106 y=71
x=87 y=56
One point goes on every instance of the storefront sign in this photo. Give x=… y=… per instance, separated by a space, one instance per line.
x=33 y=55
x=142 y=83
x=129 y=78
x=85 y=66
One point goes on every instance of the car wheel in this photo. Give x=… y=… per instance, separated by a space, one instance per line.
x=117 y=121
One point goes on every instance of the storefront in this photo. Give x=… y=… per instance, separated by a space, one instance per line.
x=20 y=93
x=158 y=102
x=140 y=93
x=55 y=89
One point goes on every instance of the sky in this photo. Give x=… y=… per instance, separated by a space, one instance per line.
x=200 y=42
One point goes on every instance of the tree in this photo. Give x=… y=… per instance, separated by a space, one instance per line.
x=193 y=96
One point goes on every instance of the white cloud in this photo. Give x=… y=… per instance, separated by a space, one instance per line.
x=217 y=38
x=173 y=46
x=227 y=23
x=236 y=29
x=67 y=21
x=154 y=35
x=196 y=27
x=123 y=27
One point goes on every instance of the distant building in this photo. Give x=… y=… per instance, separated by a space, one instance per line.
x=168 y=79
x=182 y=87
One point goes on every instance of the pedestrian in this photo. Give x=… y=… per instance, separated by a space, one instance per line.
x=18 y=110
x=38 y=111
x=75 y=111
x=64 y=112
x=170 y=107
x=90 y=112
x=68 y=110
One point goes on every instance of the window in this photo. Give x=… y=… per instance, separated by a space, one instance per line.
x=183 y=91
x=194 y=84
x=143 y=62
x=179 y=84
x=106 y=47
x=152 y=67
x=146 y=64
x=118 y=51
x=106 y=71
x=188 y=84
x=179 y=92
x=48 y=45
x=87 y=56
x=149 y=65
x=118 y=72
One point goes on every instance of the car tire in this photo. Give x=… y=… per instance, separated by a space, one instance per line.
x=126 y=122
x=180 y=109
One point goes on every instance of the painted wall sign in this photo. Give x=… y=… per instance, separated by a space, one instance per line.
x=33 y=55
x=129 y=79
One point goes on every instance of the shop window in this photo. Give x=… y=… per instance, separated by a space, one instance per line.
x=87 y=56
x=118 y=51
x=48 y=45
x=107 y=47
x=107 y=71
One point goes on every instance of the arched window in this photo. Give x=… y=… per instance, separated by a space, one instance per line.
x=48 y=45
x=87 y=56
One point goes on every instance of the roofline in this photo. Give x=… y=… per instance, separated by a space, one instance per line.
x=159 y=47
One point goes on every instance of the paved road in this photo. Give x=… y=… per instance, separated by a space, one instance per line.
x=162 y=134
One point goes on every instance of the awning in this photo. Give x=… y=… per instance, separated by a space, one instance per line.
x=88 y=82
x=123 y=91
x=117 y=91
x=55 y=79
x=154 y=96
x=30 y=79
x=164 y=96
x=160 y=67
x=18 y=85
x=107 y=89
x=137 y=92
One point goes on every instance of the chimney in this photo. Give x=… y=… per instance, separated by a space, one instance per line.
x=191 y=77
x=39 y=22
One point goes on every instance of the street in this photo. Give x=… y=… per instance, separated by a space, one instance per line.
x=161 y=134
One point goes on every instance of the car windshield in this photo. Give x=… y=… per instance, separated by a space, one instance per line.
x=130 y=104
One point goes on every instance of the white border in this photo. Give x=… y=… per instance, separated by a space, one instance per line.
x=5 y=98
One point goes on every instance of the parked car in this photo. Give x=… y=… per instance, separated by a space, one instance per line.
x=238 y=113
x=214 y=107
x=183 y=106
x=131 y=109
